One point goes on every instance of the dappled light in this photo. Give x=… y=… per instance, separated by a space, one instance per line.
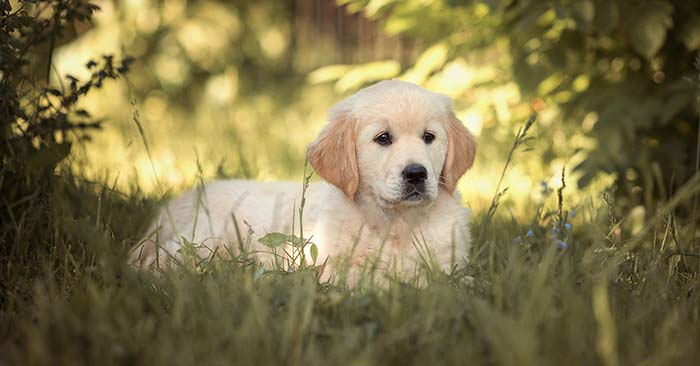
x=574 y=238
x=204 y=115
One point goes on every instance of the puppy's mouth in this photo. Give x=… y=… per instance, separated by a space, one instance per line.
x=408 y=199
x=413 y=196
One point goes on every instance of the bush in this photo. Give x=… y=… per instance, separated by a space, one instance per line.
x=621 y=70
x=39 y=126
x=590 y=284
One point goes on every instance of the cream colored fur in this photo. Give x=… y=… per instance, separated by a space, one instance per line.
x=361 y=208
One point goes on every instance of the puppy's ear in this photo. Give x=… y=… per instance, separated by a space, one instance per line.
x=332 y=154
x=461 y=149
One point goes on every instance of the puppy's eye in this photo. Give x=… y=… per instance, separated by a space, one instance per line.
x=383 y=139
x=428 y=137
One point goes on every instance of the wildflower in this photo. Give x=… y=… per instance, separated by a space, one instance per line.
x=258 y=273
x=555 y=231
x=573 y=214
x=561 y=244
x=518 y=240
x=530 y=234
x=567 y=226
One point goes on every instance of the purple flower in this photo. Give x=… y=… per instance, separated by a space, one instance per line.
x=530 y=234
x=561 y=244
x=573 y=213
x=567 y=226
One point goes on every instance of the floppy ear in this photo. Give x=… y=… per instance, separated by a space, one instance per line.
x=332 y=154
x=461 y=149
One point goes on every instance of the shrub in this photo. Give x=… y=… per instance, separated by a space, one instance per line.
x=39 y=123
x=625 y=67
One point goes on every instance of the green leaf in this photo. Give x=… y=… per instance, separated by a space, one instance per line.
x=296 y=241
x=313 y=250
x=368 y=72
x=429 y=61
x=327 y=73
x=274 y=240
x=648 y=27
x=82 y=113
x=50 y=156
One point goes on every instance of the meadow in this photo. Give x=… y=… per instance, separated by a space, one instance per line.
x=605 y=272
x=588 y=294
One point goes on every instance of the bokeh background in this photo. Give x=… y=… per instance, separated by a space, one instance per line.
x=238 y=88
x=605 y=271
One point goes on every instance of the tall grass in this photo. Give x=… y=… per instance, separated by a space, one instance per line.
x=580 y=282
x=610 y=296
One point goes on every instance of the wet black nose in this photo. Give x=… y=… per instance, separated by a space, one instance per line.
x=414 y=174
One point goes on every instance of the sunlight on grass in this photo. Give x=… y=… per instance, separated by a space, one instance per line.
x=262 y=135
x=270 y=138
x=556 y=275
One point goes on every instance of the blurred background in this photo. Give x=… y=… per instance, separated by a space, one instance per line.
x=238 y=88
x=606 y=274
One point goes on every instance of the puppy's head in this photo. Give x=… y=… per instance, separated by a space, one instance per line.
x=394 y=141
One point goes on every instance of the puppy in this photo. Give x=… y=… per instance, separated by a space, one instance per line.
x=390 y=155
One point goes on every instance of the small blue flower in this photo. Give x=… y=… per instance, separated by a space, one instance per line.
x=258 y=273
x=561 y=244
x=518 y=240
x=567 y=226
x=573 y=213
x=530 y=234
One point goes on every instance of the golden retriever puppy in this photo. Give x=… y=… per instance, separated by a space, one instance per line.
x=391 y=156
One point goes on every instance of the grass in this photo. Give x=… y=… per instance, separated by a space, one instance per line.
x=611 y=295
x=561 y=281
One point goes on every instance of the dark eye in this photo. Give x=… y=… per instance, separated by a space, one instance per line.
x=428 y=137
x=383 y=139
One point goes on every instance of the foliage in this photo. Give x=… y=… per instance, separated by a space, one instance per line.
x=621 y=70
x=563 y=281
x=227 y=67
x=524 y=299
x=626 y=64
x=183 y=46
x=39 y=123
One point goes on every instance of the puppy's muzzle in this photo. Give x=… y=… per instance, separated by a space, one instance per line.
x=414 y=177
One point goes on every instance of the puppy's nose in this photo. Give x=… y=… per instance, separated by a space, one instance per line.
x=414 y=173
